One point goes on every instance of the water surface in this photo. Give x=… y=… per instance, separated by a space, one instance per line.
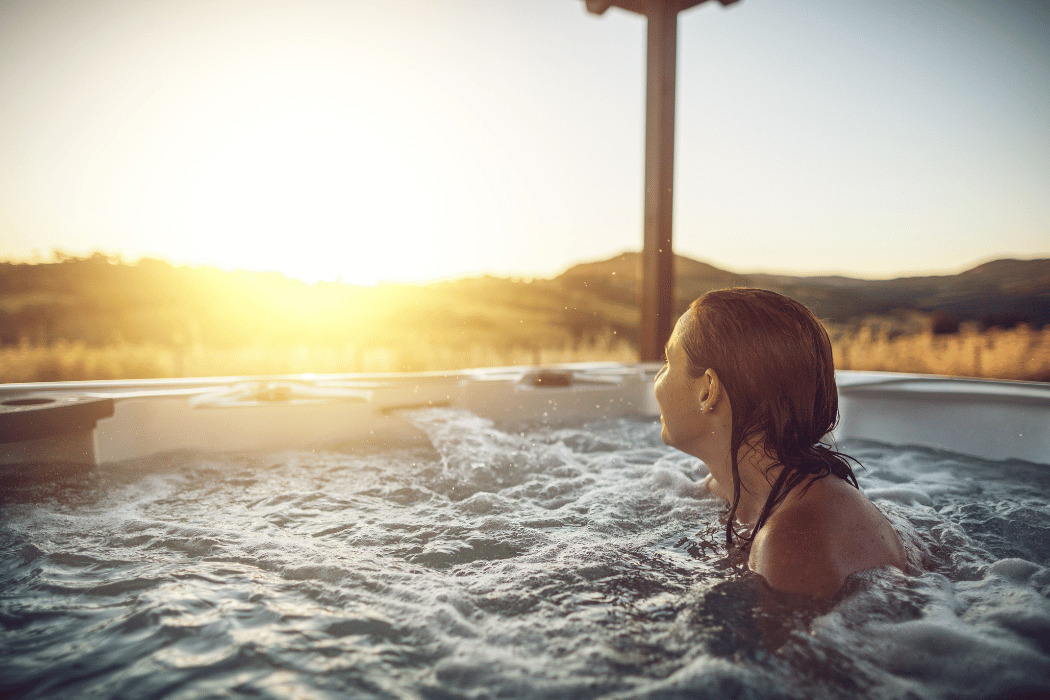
x=505 y=561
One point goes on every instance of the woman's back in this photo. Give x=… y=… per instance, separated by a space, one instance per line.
x=820 y=535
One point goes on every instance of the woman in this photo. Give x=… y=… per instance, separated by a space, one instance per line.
x=749 y=388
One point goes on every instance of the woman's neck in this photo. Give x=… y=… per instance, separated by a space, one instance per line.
x=758 y=471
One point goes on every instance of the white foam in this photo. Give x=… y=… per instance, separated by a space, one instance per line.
x=1016 y=570
x=904 y=495
x=548 y=563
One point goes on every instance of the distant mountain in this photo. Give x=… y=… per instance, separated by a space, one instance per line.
x=618 y=277
x=98 y=301
x=1010 y=276
x=629 y=266
x=1001 y=292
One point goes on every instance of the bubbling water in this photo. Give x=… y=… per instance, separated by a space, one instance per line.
x=517 y=561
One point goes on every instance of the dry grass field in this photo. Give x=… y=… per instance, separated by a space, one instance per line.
x=66 y=361
x=101 y=318
x=1018 y=353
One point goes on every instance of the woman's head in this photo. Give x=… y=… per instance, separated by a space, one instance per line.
x=773 y=359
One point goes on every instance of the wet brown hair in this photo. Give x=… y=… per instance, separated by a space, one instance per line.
x=774 y=360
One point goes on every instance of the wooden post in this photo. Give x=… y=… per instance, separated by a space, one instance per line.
x=657 y=285
x=656 y=292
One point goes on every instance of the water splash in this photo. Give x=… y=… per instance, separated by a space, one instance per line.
x=526 y=562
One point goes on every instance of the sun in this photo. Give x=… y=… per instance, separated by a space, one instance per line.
x=307 y=195
x=272 y=177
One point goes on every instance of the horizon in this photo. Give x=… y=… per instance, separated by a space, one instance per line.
x=413 y=143
x=59 y=256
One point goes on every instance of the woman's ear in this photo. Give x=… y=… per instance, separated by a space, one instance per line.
x=710 y=390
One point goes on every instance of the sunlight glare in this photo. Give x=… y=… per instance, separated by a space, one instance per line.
x=308 y=195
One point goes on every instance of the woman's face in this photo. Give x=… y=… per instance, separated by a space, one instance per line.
x=678 y=394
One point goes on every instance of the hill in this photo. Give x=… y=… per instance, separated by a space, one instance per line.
x=997 y=293
x=99 y=300
x=99 y=317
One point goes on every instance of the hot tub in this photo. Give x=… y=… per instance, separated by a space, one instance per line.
x=501 y=532
x=97 y=422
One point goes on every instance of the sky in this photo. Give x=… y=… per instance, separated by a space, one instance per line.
x=414 y=140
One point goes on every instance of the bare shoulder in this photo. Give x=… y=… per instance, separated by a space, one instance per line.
x=814 y=540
